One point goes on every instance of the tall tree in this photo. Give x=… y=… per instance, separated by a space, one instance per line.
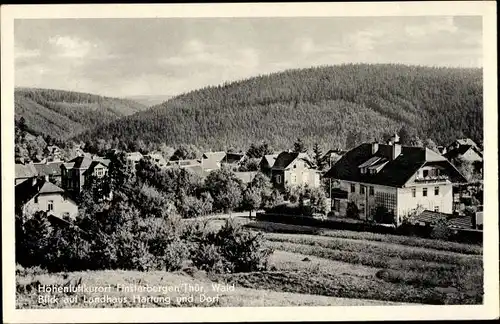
x=299 y=146
x=318 y=157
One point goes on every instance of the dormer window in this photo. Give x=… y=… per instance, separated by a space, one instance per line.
x=425 y=173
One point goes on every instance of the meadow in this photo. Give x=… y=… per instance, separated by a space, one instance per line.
x=309 y=266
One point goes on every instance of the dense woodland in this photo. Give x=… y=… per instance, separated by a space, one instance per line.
x=335 y=106
x=63 y=114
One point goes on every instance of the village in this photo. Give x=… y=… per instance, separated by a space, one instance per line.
x=379 y=182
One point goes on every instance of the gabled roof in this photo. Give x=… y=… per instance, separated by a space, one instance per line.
x=461 y=150
x=395 y=173
x=80 y=162
x=466 y=141
x=50 y=169
x=284 y=159
x=269 y=159
x=25 y=170
x=26 y=190
x=93 y=164
x=216 y=156
x=233 y=158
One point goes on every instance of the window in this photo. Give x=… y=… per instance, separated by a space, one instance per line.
x=386 y=200
x=294 y=178
x=36 y=199
x=65 y=216
x=353 y=187
x=50 y=205
x=436 y=209
x=362 y=189
x=424 y=192
x=425 y=173
x=372 y=191
x=336 y=205
x=278 y=179
x=436 y=191
x=413 y=192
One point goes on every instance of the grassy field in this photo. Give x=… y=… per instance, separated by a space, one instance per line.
x=309 y=266
x=376 y=266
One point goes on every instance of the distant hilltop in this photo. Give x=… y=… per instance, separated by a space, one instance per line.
x=150 y=100
x=335 y=106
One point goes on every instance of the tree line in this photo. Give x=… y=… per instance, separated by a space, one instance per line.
x=323 y=104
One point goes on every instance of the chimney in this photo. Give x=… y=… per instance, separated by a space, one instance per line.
x=374 y=147
x=46 y=177
x=396 y=151
x=33 y=181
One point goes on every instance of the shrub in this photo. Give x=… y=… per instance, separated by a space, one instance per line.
x=441 y=231
x=232 y=249
x=208 y=257
x=352 y=210
x=383 y=216
x=176 y=253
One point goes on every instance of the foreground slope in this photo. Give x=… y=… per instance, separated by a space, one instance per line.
x=62 y=114
x=333 y=105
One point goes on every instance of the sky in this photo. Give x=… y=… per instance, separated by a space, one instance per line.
x=169 y=56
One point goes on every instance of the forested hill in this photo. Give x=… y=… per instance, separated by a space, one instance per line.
x=63 y=114
x=336 y=106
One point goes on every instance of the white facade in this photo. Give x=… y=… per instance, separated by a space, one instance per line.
x=54 y=203
x=435 y=195
x=299 y=173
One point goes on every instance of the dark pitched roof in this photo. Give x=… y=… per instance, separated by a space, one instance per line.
x=284 y=159
x=394 y=173
x=50 y=169
x=29 y=189
x=25 y=170
x=81 y=162
x=461 y=150
x=216 y=156
x=233 y=158
x=269 y=159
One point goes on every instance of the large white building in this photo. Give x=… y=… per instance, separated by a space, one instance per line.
x=400 y=178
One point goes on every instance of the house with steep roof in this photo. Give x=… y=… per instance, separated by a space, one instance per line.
x=24 y=172
x=292 y=168
x=233 y=160
x=267 y=162
x=39 y=194
x=395 y=177
x=50 y=169
x=465 y=149
x=75 y=172
x=214 y=156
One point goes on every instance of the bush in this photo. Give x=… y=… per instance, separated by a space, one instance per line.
x=176 y=253
x=232 y=249
x=208 y=257
x=352 y=210
x=441 y=231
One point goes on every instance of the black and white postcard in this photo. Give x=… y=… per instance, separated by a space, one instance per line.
x=249 y=162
